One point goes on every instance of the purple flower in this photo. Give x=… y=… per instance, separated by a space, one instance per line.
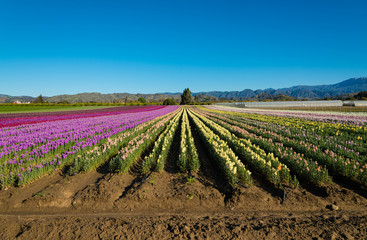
x=47 y=134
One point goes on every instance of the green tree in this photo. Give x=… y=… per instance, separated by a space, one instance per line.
x=169 y=101
x=142 y=100
x=186 y=98
x=39 y=99
x=361 y=95
x=196 y=98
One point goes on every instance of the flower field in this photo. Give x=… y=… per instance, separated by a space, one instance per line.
x=14 y=119
x=29 y=151
x=201 y=160
x=330 y=144
x=283 y=148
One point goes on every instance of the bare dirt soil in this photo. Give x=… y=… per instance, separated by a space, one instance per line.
x=102 y=205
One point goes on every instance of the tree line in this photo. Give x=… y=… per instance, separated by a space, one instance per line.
x=186 y=99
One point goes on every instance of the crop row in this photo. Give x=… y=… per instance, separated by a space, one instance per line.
x=21 y=167
x=297 y=151
x=335 y=118
x=123 y=150
x=188 y=160
x=156 y=159
x=279 y=151
x=232 y=168
x=11 y=120
x=265 y=164
x=302 y=167
x=327 y=137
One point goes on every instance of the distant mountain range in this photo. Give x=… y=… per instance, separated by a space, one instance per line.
x=346 y=88
x=351 y=85
x=9 y=99
x=92 y=97
x=112 y=97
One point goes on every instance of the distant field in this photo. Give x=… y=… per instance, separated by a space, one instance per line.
x=27 y=109
x=319 y=109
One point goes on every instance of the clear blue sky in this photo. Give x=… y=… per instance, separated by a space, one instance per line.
x=67 y=47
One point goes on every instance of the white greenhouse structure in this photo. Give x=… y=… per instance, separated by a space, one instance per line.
x=282 y=104
x=356 y=103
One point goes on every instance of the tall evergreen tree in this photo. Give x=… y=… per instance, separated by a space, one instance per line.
x=186 y=98
x=39 y=99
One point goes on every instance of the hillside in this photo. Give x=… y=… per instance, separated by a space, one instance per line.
x=345 y=88
x=113 y=97
x=351 y=85
x=8 y=99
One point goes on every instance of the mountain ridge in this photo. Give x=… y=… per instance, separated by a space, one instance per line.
x=299 y=92
x=348 y=86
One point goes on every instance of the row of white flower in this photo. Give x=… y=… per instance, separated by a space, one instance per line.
x=188 y=160
x=266 y=164
x=232 y=167
x=157 y=158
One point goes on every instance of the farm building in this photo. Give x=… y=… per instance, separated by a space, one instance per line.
x=355 y=103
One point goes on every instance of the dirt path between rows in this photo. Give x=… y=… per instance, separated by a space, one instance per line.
x=167 y=206
x=226 y=225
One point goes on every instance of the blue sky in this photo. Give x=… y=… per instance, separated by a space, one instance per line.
x=67 y=47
